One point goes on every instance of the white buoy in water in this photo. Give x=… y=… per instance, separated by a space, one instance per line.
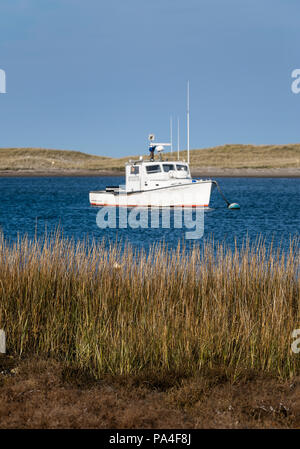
x=233 y=206
x=229 y=205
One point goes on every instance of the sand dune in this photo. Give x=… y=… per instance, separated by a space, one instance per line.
x=226 y=160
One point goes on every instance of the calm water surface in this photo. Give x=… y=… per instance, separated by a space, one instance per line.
x=269 y=206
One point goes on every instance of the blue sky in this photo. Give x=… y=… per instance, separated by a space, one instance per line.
x=99 y=76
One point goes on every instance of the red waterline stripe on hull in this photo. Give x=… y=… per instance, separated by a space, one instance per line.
x=144 y=205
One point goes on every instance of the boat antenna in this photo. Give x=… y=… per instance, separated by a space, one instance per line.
x=178 y=145
x=188 y=122
x=171 y=133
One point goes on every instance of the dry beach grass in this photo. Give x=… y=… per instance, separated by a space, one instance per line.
x=120 y=313
x=194 y=330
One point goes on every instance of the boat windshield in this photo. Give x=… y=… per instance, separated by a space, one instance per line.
x=153 y=169
x=134 y=170
x=168 y=167
x=181 y=167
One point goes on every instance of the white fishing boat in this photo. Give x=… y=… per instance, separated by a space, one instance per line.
x=159 y=183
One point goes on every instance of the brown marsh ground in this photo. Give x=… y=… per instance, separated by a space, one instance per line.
x=45 y=394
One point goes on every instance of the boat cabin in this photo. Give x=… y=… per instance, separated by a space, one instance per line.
x=151 y=175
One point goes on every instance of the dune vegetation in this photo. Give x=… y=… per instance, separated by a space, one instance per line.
x=225 y=156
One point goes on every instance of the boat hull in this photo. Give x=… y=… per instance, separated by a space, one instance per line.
x=194 y=194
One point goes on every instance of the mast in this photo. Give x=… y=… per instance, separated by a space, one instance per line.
x=188 y=122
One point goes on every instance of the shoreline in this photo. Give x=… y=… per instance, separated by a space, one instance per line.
x=197 y=172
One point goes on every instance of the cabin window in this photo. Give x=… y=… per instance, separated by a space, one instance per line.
x=153 y=169
x=168 y=167
x=181 y=167
x=134 y=170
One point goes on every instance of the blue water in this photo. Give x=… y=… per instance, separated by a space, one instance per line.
x=269 y=206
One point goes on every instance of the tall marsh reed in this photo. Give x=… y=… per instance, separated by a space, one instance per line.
x=123 y=312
